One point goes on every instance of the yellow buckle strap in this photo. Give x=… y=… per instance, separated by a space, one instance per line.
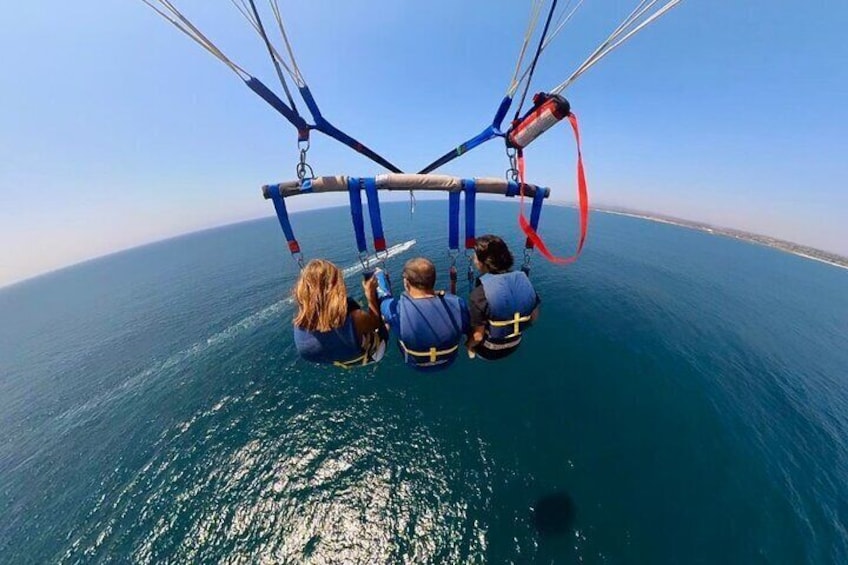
x=516 y=322
x=371 y=343
x=361 y=360
x=432 y=353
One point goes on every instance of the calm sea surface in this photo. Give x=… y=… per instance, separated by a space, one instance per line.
x=683 y=399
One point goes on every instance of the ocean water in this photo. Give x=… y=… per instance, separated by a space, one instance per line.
x=683 y=399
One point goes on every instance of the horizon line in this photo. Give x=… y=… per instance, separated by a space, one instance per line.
x=697 y=225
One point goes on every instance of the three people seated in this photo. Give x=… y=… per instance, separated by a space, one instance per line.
x=330 y=327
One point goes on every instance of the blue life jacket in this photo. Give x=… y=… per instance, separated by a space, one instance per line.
x=339 y=346
x=511 y=299
x=430 y=330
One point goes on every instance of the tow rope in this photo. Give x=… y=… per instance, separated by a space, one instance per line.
x=582 y=204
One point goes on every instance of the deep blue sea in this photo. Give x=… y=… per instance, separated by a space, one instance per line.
x=683 y=399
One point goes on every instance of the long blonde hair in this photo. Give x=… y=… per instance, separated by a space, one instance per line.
x=321 y=297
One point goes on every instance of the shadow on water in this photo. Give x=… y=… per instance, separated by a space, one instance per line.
x=553 y=514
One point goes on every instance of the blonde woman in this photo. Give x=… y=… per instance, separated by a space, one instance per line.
x=329 y=326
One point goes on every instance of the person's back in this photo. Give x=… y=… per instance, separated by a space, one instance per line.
x=331 y=345
x=329 y=327
x=430 y=325
x=503 y=305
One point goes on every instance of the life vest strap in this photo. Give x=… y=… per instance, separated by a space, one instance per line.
x=350 y=364
x=372 y=343
x=515 y=322
x=498 y=346
x=432 y=353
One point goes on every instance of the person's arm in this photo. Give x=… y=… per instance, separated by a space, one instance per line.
x=478 y=309
x=370 y=288
x=465 y=318
x=534 y=315
x=366 y=321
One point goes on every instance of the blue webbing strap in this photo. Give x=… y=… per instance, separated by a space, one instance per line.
x=325 y=127
x=453 y=220
x=491 y=132
x=453 y=236
x=354 y=189
x=283 y=217
x=470 y=187
x=274 y=101
x=374 y=213
x=536 y=212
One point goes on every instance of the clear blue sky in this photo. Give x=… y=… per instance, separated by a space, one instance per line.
x=116 y=130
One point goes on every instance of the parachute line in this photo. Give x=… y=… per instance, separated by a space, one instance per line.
x=245 y=11
x=297 y=76
x=528 y=35
x=272 y=52
x=564 y=19
x=536 y=58
x=621 y=34
x=171 y=14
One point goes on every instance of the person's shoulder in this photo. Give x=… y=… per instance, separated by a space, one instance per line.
x=477 y=293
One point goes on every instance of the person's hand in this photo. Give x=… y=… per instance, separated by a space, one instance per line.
x=370 y=285
x=469 y=348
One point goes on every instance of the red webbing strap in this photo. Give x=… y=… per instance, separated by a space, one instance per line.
x=582 y=199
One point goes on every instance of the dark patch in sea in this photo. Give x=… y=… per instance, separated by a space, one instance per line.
x=553 y=514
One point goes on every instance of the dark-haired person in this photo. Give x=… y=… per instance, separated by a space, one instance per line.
x=503 y=304
x=329 y=326
x=430 y=325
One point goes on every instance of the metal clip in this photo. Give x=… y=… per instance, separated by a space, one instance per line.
x=525 y=265
x=363 y=260
x=304 y=170
x=512 y=171
x=469 y=254
x=382 y=257
x=298 y=257
x=452 y=255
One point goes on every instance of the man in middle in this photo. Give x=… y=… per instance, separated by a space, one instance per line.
x=430 y=325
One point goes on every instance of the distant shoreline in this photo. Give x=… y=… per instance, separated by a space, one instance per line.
x=757 y=239
x=781 y=245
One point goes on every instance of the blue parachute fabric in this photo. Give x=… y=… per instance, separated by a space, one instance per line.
x=374 y=213
x=355 y=192
x=470 y=188
x=453 y=220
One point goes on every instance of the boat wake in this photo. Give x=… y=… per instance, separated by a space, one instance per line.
x=134 y=383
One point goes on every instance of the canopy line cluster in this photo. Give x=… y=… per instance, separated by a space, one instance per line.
x=548 y=109
x=283 y=65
